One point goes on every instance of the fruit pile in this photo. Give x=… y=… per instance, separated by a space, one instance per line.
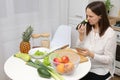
x=63 y=65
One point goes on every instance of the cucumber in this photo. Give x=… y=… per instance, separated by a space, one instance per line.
x=23 y=56
x=83 y=22
x=43 y=72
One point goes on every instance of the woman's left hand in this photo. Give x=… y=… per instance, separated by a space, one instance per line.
x=86 y=52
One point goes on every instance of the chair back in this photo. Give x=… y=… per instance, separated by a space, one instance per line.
x=61 y=37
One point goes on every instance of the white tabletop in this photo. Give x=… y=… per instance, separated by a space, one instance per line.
x=16 y=69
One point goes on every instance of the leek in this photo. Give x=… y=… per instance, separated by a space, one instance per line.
x=53 y=73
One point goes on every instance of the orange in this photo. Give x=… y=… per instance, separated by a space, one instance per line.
x=60 y=68
x=69 y=67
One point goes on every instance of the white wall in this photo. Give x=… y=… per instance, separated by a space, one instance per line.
x=115 y=9
x=17 y=15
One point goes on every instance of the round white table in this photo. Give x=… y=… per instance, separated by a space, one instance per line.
x=16 y=69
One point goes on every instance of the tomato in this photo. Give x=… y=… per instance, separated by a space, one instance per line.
x=65 y=59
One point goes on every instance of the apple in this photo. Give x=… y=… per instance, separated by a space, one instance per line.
x=65 y=59
x=57 y=60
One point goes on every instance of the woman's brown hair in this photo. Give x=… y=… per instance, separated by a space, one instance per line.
x=98 y=7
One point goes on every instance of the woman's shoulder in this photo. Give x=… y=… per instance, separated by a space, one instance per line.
x=110 y=31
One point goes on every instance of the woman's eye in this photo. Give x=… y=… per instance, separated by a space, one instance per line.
x=90 y=16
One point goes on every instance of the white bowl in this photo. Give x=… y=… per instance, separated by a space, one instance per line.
x=41 y=49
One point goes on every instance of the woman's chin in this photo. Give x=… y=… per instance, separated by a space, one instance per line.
x=91 y=23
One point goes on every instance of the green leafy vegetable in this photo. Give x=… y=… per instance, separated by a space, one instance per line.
x=46 y=61
x=39 y=53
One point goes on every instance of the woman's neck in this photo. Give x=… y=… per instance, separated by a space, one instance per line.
x=96 y=28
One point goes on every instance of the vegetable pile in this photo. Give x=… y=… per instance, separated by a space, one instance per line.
x=43 y=68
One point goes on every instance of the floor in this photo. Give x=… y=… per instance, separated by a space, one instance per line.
x=115 y=78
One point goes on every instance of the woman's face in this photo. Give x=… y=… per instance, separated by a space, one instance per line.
x=92 y=17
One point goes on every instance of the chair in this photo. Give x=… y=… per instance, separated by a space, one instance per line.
x=113 y=71
x=61 y=37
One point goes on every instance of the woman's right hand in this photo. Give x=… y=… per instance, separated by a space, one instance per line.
x=82 y=29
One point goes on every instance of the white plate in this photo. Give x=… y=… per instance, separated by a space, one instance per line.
x=42 y=49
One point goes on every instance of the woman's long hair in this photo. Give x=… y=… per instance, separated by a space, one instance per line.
x=98 y=7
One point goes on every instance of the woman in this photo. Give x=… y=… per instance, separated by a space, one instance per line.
x=99 y=42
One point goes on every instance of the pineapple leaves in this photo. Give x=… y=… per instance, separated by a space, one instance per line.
x=27 y=34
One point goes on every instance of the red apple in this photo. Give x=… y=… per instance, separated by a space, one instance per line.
x=58 y=60
x=65 y=59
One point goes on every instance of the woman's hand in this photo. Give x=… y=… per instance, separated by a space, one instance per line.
x=81 y=29
x=86 y=52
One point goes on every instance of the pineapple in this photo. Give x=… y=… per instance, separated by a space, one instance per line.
x=25 y=44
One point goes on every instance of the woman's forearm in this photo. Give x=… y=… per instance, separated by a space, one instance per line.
x=81 y=37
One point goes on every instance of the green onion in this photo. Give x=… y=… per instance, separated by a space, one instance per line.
x=53 y=73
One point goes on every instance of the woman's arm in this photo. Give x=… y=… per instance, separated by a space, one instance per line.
x=109 y=51
x=82 y=34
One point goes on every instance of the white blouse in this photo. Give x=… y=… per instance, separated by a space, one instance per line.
x=104 y=49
